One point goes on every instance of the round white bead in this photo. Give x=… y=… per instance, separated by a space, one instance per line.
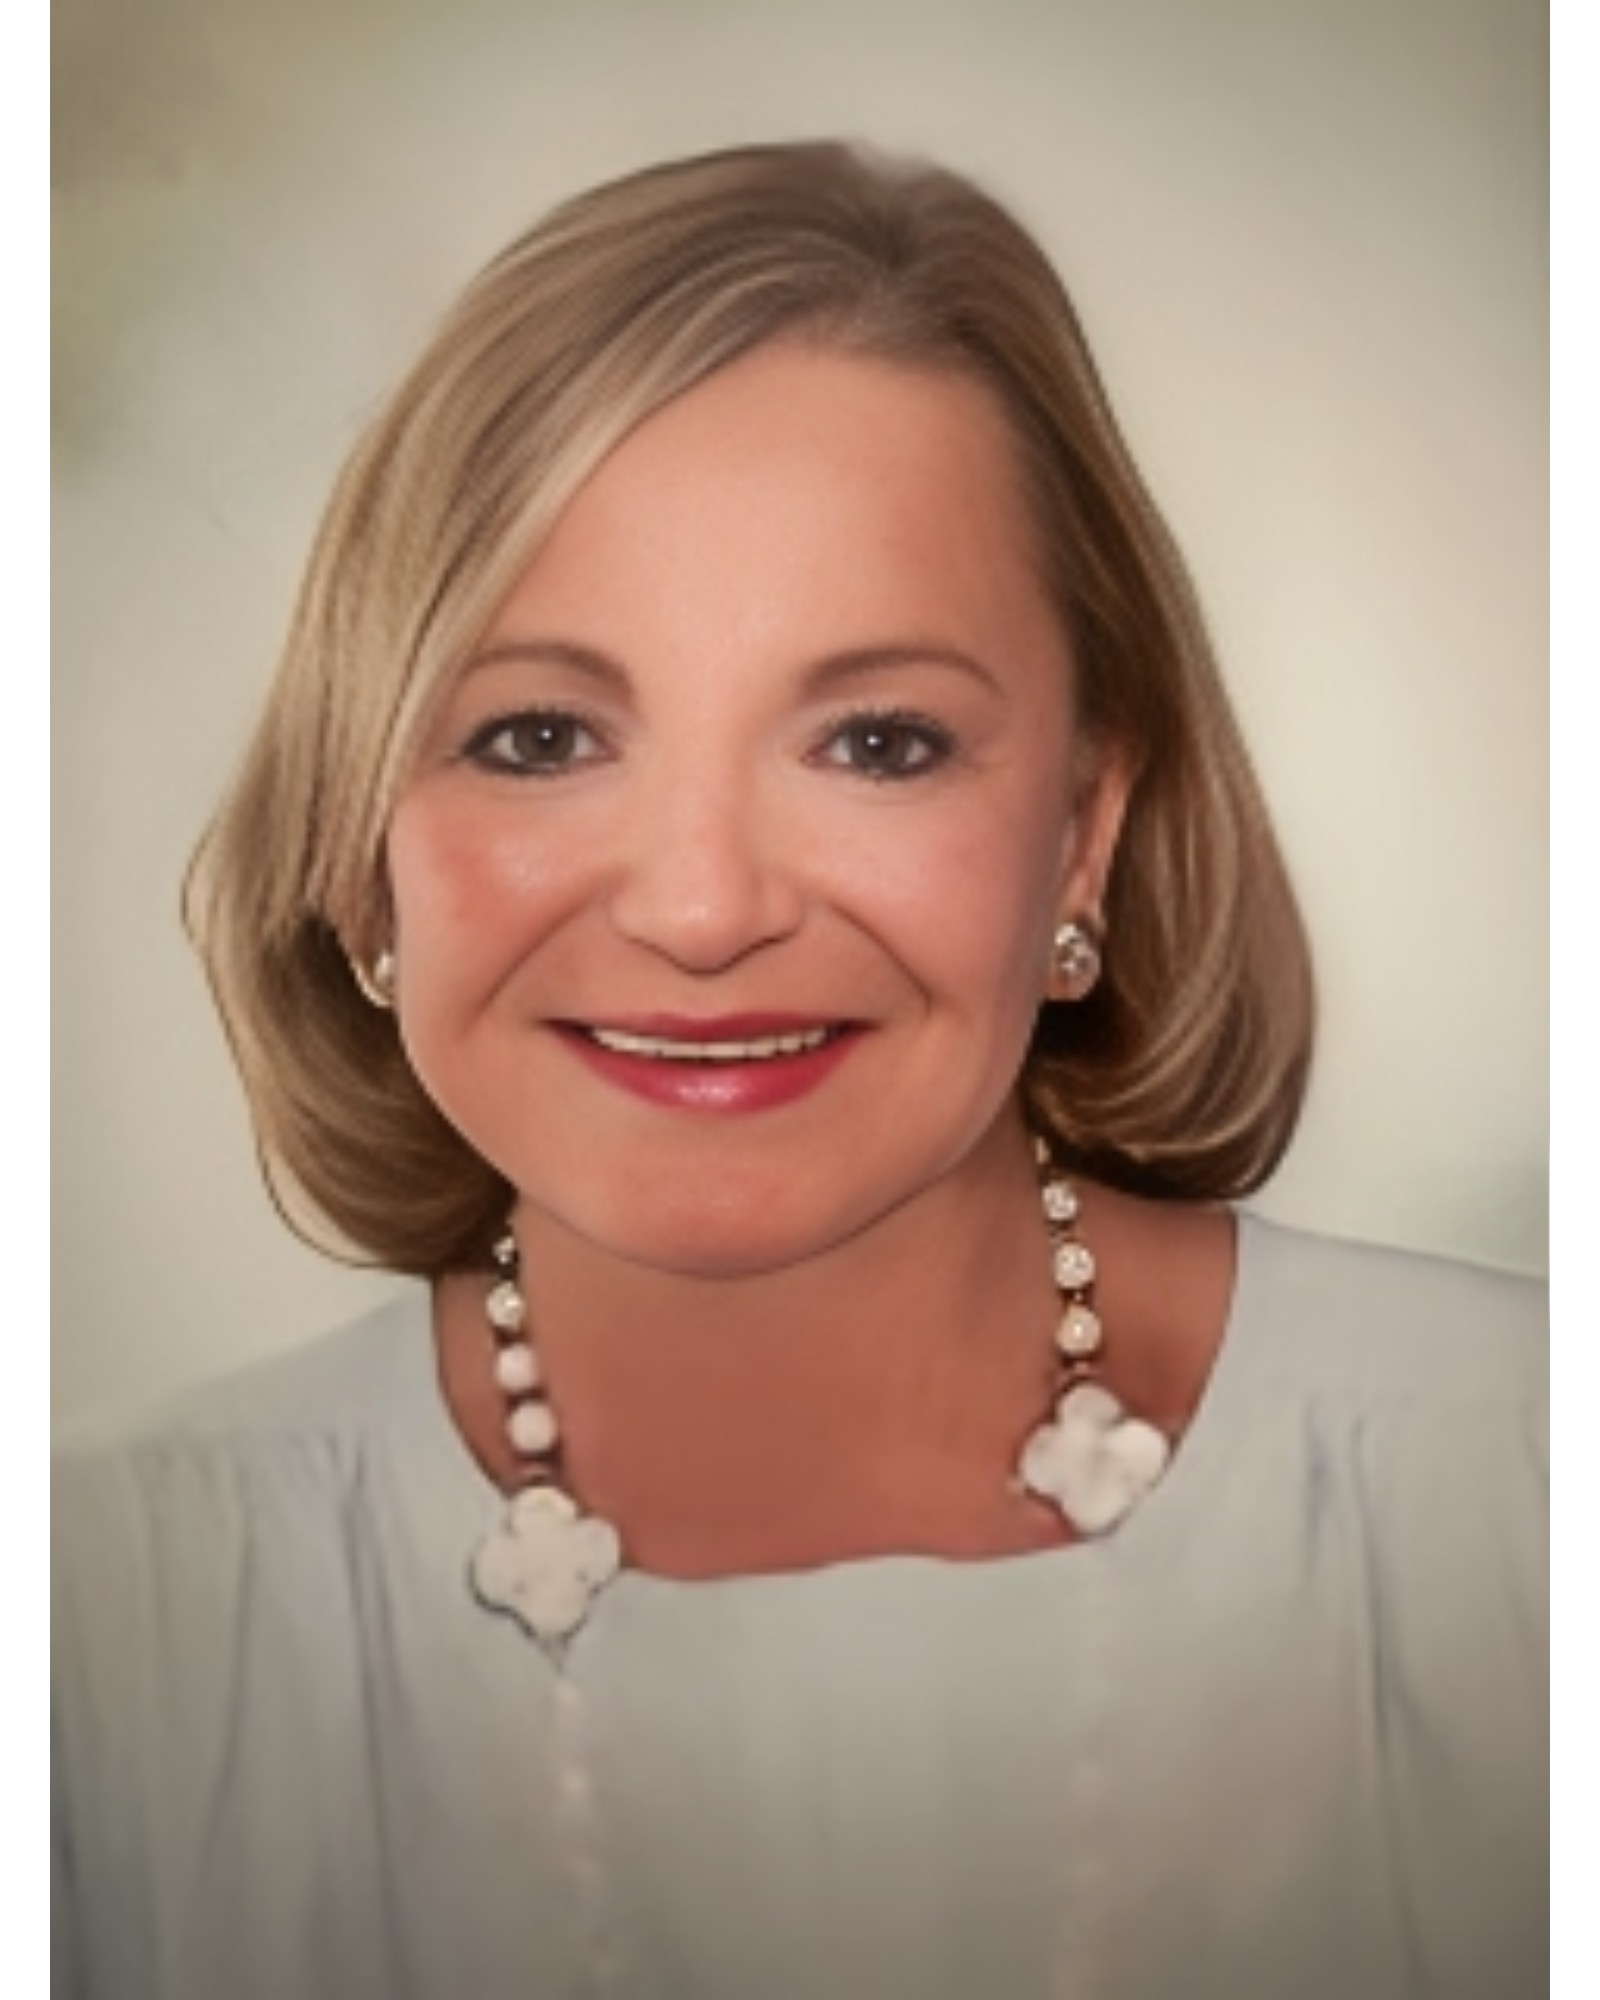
x=1078 y=1335
x=1074 y=1266
x=505 y=1307
x=1060 y=1203
x=516 y=1369
x=531 y=1427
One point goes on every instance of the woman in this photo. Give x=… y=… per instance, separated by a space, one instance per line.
x=748 y=885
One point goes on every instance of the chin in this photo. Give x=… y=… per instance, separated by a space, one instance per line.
x=720 y=1245
x=713 y=1232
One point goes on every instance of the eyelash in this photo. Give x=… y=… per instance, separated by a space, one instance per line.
x=932 y=742
x=928 y=743
x=480 y=748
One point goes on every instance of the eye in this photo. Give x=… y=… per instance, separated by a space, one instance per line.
x=887 y=746
x=541 y=743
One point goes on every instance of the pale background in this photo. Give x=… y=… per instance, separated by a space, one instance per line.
x=1308 y=238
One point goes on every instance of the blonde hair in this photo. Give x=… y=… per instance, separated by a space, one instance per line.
x=1181 y=1075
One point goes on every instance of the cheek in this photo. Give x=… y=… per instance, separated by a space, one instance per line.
x=465 y=881
x=967 y=901
x=449 y=869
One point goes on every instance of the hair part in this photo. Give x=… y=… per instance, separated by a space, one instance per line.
x=1181 y=1076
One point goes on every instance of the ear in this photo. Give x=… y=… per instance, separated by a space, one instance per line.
x=1099 y=806
x=364 y=922
x=368 y=946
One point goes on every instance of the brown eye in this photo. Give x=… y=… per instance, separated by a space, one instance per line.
x=540 y=743
x=887 y=746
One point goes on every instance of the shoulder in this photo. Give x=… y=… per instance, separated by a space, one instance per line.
x=1380 y=1418
x=1338 y=1315
x=235 y=1522
x=1403 y=1394
x=220 y=1560
x=347 y=1379
x=172 y=1479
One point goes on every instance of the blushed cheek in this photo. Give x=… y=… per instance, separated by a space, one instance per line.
x=1011 y=946
x=456 y=876
x=972 y=923
x=1017 y=972
x=454 y=936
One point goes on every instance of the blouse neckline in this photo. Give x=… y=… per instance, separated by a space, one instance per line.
x=1177 y=1506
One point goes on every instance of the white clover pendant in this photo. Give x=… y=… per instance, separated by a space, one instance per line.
x=1094 y=1461
x=546 y=1565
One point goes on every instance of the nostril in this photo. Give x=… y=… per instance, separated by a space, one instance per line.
x=705 y=903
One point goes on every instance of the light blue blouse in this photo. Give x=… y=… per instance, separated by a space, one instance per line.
x=1282 y=1734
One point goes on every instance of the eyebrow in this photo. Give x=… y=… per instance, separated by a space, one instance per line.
x=821 y=677
x=586 y=660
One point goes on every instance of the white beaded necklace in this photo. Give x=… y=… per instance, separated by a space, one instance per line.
x=548 y=1561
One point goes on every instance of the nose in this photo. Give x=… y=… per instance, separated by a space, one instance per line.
x=710 y=874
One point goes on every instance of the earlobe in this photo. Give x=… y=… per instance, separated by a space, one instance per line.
x=1096 y=825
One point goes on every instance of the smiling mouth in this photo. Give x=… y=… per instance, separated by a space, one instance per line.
x=677 y=1049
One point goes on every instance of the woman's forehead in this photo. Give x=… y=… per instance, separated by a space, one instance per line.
x=795 y=484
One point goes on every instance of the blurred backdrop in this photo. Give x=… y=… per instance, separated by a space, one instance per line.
x=1308 y=241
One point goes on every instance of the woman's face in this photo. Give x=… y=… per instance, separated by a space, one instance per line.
x=725 y=880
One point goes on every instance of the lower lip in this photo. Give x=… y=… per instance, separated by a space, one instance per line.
x=716 y=1086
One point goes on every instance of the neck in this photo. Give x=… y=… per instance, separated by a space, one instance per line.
x=867 y=1400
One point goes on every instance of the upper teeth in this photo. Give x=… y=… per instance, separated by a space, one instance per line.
x=754 y=1051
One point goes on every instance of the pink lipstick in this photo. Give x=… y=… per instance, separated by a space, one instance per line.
x=725 y=1063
